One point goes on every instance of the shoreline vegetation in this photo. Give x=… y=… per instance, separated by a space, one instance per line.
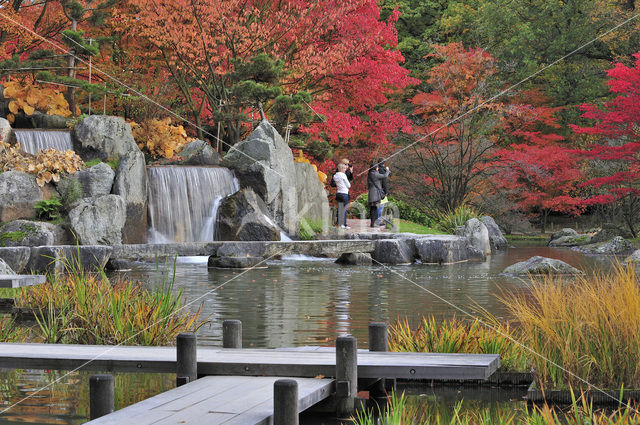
x=590 y=325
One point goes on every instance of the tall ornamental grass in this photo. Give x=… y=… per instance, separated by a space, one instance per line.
x=401 y=411
x=459 y=336
x=589 y=326
x=77 y=307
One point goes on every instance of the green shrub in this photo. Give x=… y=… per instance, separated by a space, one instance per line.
x=406 y=211
x=113 y=164
x=448 y=221
x=49 y=209
x=309 y=229
x=73 y=193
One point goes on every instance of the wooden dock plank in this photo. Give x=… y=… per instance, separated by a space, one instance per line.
x=21 y=280
x=249 y=362
x=239 y=400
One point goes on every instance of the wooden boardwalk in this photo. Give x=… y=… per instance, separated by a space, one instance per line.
x=20 y=280
x=249 y=362
x=213 y=400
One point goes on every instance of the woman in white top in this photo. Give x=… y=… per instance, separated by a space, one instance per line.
x=342 y=194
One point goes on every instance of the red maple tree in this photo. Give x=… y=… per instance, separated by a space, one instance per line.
x=616 y=144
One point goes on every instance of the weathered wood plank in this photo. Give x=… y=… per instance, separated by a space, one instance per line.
x=21 y=280
x=249 y=362
x=231 y=400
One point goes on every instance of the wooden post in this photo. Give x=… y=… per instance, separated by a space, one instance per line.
x=285 y=402
x=378 y=342
x=232 y=334
x=346 y=375
x=100 y=396
x=186 y=358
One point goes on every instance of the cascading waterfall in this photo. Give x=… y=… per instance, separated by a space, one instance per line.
x=33 y=141
x=183 y=202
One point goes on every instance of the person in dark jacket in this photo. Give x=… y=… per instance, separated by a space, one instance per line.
x=375 y=180
x=385 y=187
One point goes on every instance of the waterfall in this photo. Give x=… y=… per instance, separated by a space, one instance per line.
x=32 y=141
x=183 y=201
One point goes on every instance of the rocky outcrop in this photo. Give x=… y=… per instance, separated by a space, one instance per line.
x=5 y=268
x=477 y=234
x=243 y=216
x=31 y=233
x=19 y=193
x=568 y=237
x=496 y=238
x=313 y=204
x=103 y=137
x=608 y=232
x=16 y=257
x=616 y=246
x=98 y=221
x=199 y=152
x=394 y=251
x=355 y=259
x=540 y=265
x=442 y=249
x=52 y=259
x=94 y=181
x=131 y=183
x=264 y=163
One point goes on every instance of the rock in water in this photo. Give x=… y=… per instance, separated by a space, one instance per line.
x=19 y=193
x=540 y=265
x=199 y=152
x=131 y=183
x=442 y=249
x=568 y=237
x=355 y=259
x=477 y=234
x=264 y=163
x=31 y=233
x=608 y=232
x=313 y=203
x=99 y=221
x=496 y=238
x=616 y=246
x=94 y=181
x=5 y=269
x=394 y=251
x=103 y=137
x=245 y=262
x=244 y=216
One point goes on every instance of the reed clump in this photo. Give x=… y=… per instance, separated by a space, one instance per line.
x=459 y=336
x=77 y=307
x=589 y=326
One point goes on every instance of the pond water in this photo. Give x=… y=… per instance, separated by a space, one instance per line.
x=297 y=301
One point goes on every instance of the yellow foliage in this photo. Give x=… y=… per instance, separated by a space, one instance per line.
x=159 y=137
x=47 y=165
x=301 y=158
x=31 y=98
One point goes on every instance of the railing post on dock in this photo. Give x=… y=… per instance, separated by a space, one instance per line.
x=285 y=402
x=346 y=375
x=186 y=358
x=378 y=341
x=232 y=334
x=100 y=396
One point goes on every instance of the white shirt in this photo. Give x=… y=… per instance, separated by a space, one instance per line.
x=342 y=182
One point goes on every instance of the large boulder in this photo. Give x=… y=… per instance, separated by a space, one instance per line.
x=568 y=237
x=496 y=238
x=99 y=221
x=6 y=132
x=616 y=246
x=31 y=233
x=609 y=231
x=94 y=181
x=245 y=262
x=394 y=251
x=540 y=265
x=131 y=183
x=16 y=257
x=103 y=137
x=442 y=249
x=40 y=120
x=634 y=259
x=313 y=203
x=264 y=163
x=52 y=259
x=244 y=216
x=19 y=193
x=5 y=268
x=199 y=152
x=477 y=234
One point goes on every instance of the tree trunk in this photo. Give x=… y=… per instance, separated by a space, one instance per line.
x=71 y=73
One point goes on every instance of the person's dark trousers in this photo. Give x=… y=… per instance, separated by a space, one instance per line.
x=373 y=213
x=343 y=201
